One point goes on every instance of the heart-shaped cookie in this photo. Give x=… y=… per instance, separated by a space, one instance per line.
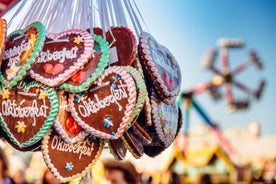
x=104 y=110
x=123 y=45
x=142 y=92
x=70 y=161
x=117 y=148
x=160 y=67
x=62 y=56
x=22 y=48
x=92 y=70
x=165 y=120
x=65 y=125
x=27 y=112
x=144 y=117
x=3 y=34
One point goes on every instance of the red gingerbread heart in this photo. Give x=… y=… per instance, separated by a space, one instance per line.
x=65 y=125
x=72 y=126
x=78 y=77
x=104 y=110
x=62 y=56
x=70 y=161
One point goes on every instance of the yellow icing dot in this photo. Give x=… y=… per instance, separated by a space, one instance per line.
x=11 y=70
x=79 y=142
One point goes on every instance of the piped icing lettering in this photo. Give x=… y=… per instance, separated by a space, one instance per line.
x=84 y=149
x=19 y=109
x=59 y=56
x=94 y=105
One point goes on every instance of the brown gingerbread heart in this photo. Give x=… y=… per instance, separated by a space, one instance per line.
x=160 y=67
x=123 y=46
x=63 y=55
x=27 y=112
x=21 y=49
x=70 y=161
x=104 y=110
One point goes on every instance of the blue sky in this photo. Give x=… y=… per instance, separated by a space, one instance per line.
x=189 y=27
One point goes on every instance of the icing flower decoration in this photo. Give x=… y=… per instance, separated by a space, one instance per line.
x=42 y=95
x=69 y=166
x=91 y=138
x=5 y=93
x=78 y=40
x=117 y=77
x=108 y=122
x=21 y=127
x=114 y=86
x=12 y=71
x=79 y=97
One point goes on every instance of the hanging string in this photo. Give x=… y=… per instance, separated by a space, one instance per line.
x=90 y=17
x=27 y=19
x=119 y=14
x=134 y=23
x=140 y=15
x=111 y=12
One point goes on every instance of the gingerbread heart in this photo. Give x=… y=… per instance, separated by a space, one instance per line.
x=165 y=120
x=70 y=161
x=123 y=45
x=142 y=92
x=62 y=56
x=145 y=115
x=65 y=125
x=104 y=110
x=92 y=70
x=160 y=67
x=117 y=148
x=27 y=112
x=3 y=34
x=21 y=49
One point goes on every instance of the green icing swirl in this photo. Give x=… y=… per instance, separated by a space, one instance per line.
x=51 y=93
x=103 y=61
x=142 y=92
x=41 y=34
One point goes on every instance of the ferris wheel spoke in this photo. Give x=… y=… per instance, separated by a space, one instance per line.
x=240 y=68
x=255 y=59
x=228 y=95
x=224 y=60
x=201 y=88
x=242 y=87
x=215 y=70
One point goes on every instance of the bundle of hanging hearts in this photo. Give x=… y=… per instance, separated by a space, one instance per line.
x=68 y=94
